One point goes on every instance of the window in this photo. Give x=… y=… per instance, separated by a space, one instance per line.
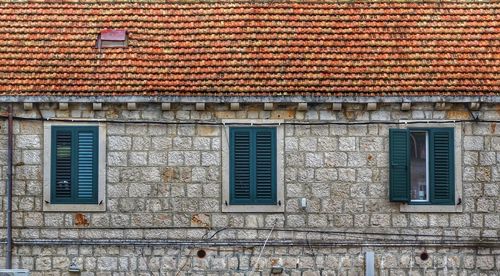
x=252 y=169
x=73 y=167
x=422 y=166
x=252 y=166
x=112 y=39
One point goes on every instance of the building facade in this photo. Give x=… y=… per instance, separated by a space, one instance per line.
x=206 y=146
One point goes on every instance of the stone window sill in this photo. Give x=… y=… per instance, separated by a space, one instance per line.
x=253 y=208
x=47 y=207
x=405 y=208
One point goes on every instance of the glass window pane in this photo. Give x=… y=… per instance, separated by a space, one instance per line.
x=418 y=165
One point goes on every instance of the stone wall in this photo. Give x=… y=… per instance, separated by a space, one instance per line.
x=164 y=183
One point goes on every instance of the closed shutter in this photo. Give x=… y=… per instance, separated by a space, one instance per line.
x=240 y=166
x=399 y=190
x=265 y=166
x=74 y=165
x=252 y=166
x=442 y=170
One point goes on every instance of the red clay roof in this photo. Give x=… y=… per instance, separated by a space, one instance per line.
x=280 y=48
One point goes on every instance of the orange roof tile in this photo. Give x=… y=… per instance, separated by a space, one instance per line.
x=271 y=48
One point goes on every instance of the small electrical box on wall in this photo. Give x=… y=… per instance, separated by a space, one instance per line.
x=303 y=203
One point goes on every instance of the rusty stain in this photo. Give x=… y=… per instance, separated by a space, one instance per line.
x=458 y=115
x=370 y=157
x=81 y=220
x=168 y=175
x=493 y=127
x=201 y=220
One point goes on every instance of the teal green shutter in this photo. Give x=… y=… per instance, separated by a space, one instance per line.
x=74 y=165
x=240 y=164
x=399 y=171
x=442 y=169
x=252 y=166
x=265 y=166
x=61 y=164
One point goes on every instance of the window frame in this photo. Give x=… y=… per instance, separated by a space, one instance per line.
x=428 y=207
x=49 y=205
x=226 y=179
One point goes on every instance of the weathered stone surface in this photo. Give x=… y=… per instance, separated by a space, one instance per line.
x=162 y=176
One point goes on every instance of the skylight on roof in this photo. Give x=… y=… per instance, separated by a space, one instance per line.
x=112 y=39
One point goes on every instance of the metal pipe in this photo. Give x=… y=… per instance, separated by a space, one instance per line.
x=10 y=149
x=253 y=243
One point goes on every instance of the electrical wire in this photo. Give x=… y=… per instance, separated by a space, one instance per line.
x=263 y=247
x=256 y=243
x=290 y=230
x=220 y=123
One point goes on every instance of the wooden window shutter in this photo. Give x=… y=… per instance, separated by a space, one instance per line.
x=399 y=171
x=61 y=164
x=240 y=166
x=265 y=166
x=74 y=167
x=252 y=166
x=442 y=169
x=87 y=164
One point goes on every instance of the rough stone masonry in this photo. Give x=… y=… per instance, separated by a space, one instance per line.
x=164 y=184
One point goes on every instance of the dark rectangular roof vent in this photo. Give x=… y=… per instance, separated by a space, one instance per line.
x=112 y=39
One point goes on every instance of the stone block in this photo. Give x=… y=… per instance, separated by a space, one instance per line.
x=327 y=143
x=138 y=158
x=345 y=220
x=207 y=130
x=27 y=142
x=459 y=220
x=347 y=174
x=120 y=143
x=473 y=143
x=483 y=174
x=210 y=159
x=380 y=220
x=295 y=221
x=314 y=160
x=107 y=263
x=31 y=157
x=355 y=159
x=175 y=158
x=347 y=143
x=201 y=143
x=335 y=159
x=485 y=262
x=182 y=143
x=419 y=220
x=291 y=144
x=117 y=158
x=471 y=158
x=326 y=174
x=371 y=144
x=438 y=220
x=492 y=221
x=308 y=144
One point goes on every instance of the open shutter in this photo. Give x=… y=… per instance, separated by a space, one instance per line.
x=265 y=166
x=240 y=166
x=61 y=165
x=442 y=169
x=399 y=190
x=87 y=164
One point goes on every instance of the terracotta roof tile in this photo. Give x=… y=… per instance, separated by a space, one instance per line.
x=259 y=48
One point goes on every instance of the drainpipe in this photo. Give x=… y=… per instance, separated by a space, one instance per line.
x=10 y=149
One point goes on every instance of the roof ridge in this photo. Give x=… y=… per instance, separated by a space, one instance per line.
x=215 y=2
